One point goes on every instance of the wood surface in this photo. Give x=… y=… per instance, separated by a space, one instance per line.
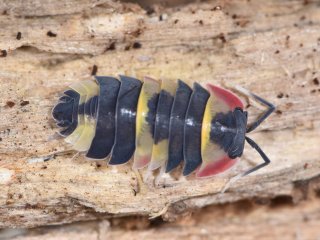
x=271 y=48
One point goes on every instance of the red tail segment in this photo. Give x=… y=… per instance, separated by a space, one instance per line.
x=226 y=96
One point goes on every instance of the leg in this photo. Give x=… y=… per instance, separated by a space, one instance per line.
x=140 y=187
x=266 y=114
x=265 y=163
x=262 y=154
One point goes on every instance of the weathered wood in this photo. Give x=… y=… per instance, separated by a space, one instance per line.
x=272 y=49
x=277 y=219
x=32 y=8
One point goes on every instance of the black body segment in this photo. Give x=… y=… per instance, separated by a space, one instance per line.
x=90 y=107
x=159 y=155
x=71 y=93
x=151 y=116
x=69 y=129
x=81 y=108
x=161 y=128
x=236 y=149
x=66 y=112
x=223 y=130
x=176 y=128
x=228 y=131
x=192 y=129
x=126 y=110
x=94 y=106
x=64 y=99
x=62 y=112
x=64 y=123
x=103 y=140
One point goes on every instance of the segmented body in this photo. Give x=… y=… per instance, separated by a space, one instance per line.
x=157 y=123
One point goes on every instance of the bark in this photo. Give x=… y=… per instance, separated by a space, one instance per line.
x=271 y=48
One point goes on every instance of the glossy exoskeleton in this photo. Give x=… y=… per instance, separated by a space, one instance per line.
x=158 y=123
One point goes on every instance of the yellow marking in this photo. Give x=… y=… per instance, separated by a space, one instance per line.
x=206 y=125
x=74 y=136
x=214 y=106
x=144 y=139
x=210 y=152
x=92 y=88
x=142 y=111
x=81 y=90
x=169 y=85
x=159 y=155
x=84 y=141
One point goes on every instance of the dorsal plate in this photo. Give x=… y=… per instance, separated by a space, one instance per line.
x=161 y=126
x=85 y=139
x=146 y=113
x=214 y=159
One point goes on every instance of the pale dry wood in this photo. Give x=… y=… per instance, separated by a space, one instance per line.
x=32 y=8
x=280 y=219
x=271 y=49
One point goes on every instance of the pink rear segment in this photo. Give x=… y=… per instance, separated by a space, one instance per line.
x=226 y=96
x=214 y=159
x=144 y=161
x=216 y=167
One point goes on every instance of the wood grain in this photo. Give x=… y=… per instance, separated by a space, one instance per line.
x=279 y=218
x=270 y=48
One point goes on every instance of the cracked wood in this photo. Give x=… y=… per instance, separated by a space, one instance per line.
x=275 y=54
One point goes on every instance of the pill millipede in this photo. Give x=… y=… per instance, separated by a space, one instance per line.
x=159 y=124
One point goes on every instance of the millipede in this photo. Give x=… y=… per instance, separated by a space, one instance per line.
x=158 y=124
